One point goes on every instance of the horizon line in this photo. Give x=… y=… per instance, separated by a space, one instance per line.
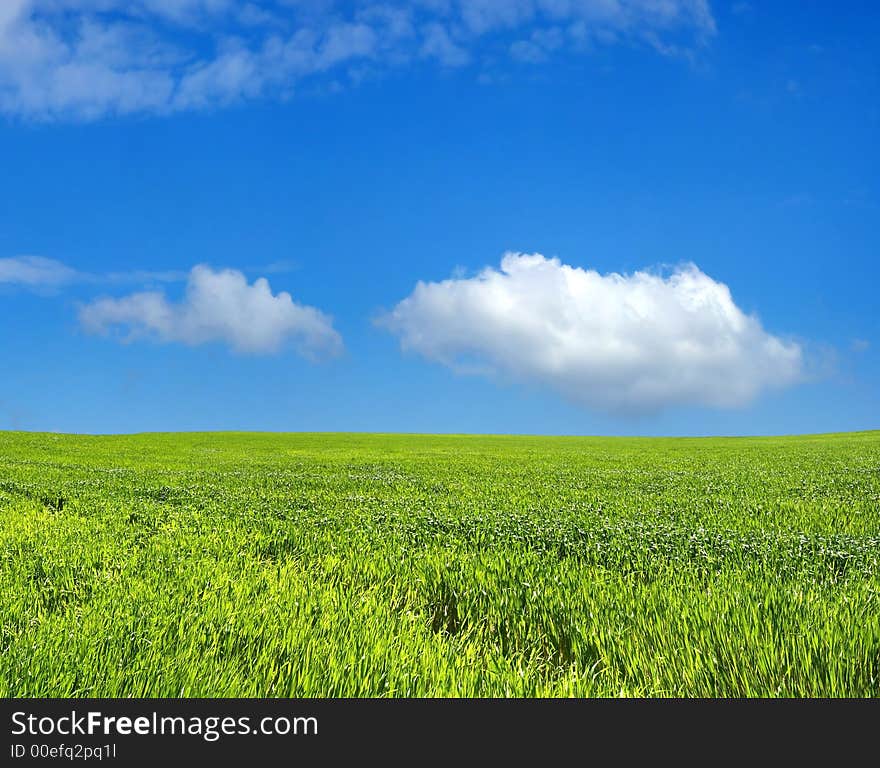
x=366 y=433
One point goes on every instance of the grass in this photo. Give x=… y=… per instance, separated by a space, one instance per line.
x=391 y=565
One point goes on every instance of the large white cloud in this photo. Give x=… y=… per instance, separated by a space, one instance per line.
x=83 y=59
x=219 y=306
x=615 y=342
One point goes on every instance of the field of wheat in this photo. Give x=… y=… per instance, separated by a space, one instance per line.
x=344 y=565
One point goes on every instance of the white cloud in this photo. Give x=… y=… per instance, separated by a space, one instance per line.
x=39 y=272
x=35 y=272
x=438 y=45
x=621 y=343
x=219 y=306
x=536 y=50
x=83 y=59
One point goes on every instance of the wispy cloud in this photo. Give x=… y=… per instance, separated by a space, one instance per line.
x=35 y=272
x=84 y=59
x=41 y=273
x=219 y=306
x=622 y=343
x=139 y=276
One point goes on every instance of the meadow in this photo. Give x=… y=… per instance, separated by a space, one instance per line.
x=347 y=565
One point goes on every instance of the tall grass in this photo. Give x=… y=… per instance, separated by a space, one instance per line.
x=374 y=565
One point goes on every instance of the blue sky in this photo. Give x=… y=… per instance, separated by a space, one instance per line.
x=701 y=179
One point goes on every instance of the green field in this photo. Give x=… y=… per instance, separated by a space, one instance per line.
x=390 y=565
